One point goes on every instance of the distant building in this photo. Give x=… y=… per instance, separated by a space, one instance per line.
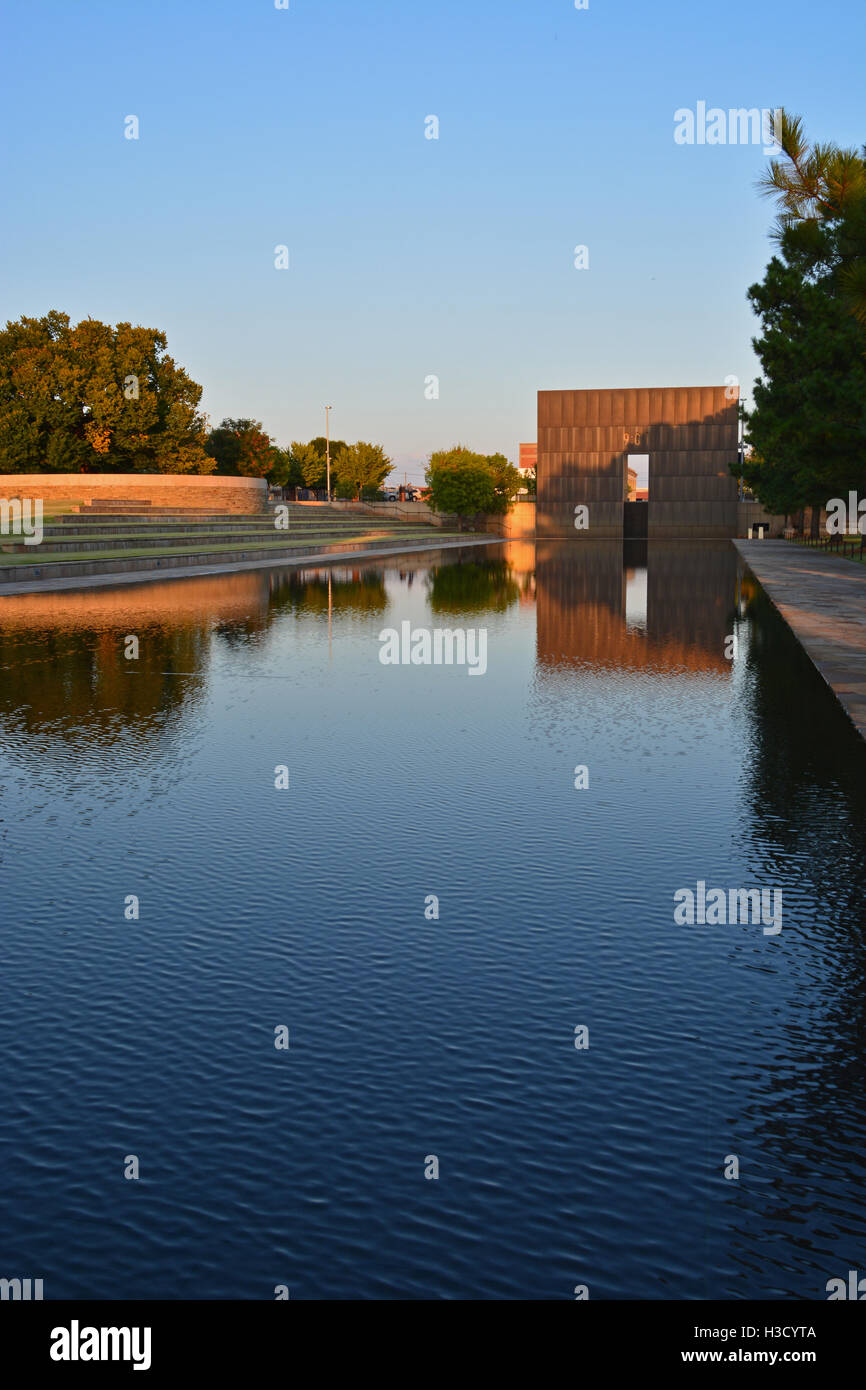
x=632 y=485
x=528 y=458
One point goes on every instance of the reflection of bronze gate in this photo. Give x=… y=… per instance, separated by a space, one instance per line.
x=635 y=516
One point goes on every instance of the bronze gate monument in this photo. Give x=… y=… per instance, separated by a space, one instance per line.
x=585 y=440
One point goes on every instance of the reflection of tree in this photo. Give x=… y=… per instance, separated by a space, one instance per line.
x=808 y=764
x=77 y=683
x=471 y=586
x=803 y=829
x=243 y=632
x=353 y=591
x=306 y=594
x=64 y=674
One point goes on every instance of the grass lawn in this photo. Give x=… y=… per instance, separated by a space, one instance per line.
x=38 y=555
x=851 y=551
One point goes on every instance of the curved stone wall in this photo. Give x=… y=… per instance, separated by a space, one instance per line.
x=180 y=490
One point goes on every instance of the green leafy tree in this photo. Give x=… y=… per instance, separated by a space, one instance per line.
x=363 y=466
x=319 y=445
x=306 y=464
x=815 y=184
x=507 y=481
x=285 y=469
x=459 y=482
x=467 y=483
x=95 y=398
x=310 y=460
x=808 y=425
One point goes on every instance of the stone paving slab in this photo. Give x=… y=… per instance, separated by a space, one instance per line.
x=822 y=598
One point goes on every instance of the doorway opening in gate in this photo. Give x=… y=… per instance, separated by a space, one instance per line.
x=635 y=518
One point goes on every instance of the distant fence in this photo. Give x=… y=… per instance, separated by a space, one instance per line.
x=400 y=511
x=519 y=522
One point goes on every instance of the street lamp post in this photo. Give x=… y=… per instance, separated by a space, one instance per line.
x=328 y=408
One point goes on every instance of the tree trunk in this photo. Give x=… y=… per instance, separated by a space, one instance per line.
x=815 y=527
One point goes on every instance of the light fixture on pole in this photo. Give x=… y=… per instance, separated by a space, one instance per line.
x=741 y=441
x=328 y=449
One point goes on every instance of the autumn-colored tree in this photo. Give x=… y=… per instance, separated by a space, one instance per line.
x=241 y=447
x=92 y=397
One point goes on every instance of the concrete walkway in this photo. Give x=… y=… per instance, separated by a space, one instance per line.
x=191 y=571
x=822 y=598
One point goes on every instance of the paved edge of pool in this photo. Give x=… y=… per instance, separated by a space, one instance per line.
x=151 y=576
x=822 y=598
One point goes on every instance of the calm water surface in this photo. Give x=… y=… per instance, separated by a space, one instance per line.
x=412 y=1037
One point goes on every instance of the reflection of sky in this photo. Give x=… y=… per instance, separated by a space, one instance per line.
x=635 y=597
x=260 y=906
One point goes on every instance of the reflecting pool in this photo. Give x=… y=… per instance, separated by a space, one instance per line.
x=582 y=1066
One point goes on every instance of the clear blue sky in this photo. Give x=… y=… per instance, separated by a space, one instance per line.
x=409 y=257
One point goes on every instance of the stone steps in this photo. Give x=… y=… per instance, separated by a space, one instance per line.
x=170 y=525
x=123 y=536
x=301 y=517
x=275 y=554
x=98 y=509
x=186 y=540
x=118 y=503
